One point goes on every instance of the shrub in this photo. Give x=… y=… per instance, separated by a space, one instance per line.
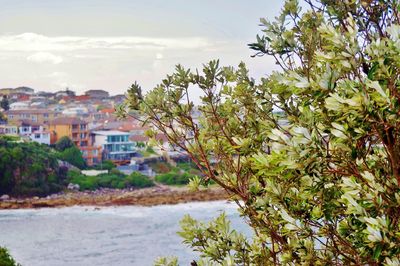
x=160 y=167
x=320 y=187
x=6 y=259
x=105 y=165
x=112 y=180
x=74 y=156
x=139 y=180
x=174 y=178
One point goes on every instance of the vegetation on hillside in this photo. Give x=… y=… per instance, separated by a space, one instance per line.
x=179 y=175
x=73 y=156
x=322 y=187
x=28 y=168
x=114 y=179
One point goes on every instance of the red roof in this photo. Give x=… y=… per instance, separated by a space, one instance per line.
x=109 y=110
x=82 y=98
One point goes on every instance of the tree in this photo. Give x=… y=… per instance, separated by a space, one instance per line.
x=4 y=103
x=320 y=185
x=2 y=117
x=64 y=143
x=74 y=156
x=28 y=168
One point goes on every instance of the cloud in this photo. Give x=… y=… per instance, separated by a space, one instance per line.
x=33 y=42
x=44 y=57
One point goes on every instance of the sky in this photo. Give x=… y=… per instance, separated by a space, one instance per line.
x=49 y=45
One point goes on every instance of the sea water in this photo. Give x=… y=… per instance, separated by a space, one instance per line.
x=123 y=235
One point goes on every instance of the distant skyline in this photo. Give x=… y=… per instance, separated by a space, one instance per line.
x=99 y=44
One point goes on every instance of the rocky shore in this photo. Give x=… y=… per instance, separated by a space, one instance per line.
x=113 y=197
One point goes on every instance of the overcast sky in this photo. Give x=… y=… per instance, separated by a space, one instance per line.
x=108 y=44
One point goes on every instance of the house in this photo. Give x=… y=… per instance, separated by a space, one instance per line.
x=35 y=131
x=5 y=91
x=9 y=130
x=40 y=116
x=19 y=106
x=40 y=136
x=115 y=145
x=77 y=130
x=27 y=127
x=75 y=111
x=24 y=90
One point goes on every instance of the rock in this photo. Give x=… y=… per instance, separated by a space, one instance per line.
x=5 y=197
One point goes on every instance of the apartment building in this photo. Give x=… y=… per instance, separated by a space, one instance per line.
x=77 y=130
x=40 y=116
x=116 y=145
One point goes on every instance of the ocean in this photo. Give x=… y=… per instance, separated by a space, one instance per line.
x=123 y=235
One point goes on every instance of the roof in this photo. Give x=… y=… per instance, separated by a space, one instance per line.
x=110 y=133
x=107 y=110
x=82 y=98
x=25 y=122
x=67 y=121
x=143 y=138
x=29 y=111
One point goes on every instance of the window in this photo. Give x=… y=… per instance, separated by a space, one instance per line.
x=37 y=136
x=46 y=115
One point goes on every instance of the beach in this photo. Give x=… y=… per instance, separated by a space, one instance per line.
x=158 y=195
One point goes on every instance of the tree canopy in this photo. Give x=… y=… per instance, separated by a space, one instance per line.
x=28 y=168
x=64 y=143
x=4 y=104
x=317 y=182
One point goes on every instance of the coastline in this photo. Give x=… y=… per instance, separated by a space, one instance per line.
x=158 y=195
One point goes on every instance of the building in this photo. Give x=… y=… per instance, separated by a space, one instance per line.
x=27 y=127
x=97 y=94
x=77 y=130
x=40 y=136
x=9 y=130
x=35 y=115
x=25 y=90
x=20 y=106
x=115 y=145
x=5 y=91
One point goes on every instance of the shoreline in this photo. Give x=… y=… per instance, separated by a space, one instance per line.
x=158 y=195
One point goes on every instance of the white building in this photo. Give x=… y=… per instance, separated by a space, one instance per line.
x=40 y=137
x=19 y=106
x=115 y=145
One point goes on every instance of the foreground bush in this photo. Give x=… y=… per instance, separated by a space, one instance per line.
x=6 y=259
x=319 y=183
